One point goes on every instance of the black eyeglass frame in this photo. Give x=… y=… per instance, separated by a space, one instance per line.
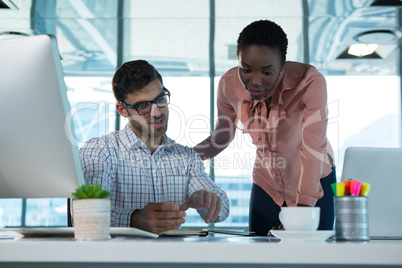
x=166 y=93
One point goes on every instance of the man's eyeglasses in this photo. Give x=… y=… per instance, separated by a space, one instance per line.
x=146 y=106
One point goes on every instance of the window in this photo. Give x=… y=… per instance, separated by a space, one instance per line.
x=180 y=37
x=364 y=111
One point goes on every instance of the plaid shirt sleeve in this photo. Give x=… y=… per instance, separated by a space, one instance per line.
x=98 y=168
x=199 y=180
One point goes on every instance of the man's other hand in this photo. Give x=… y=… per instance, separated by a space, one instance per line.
x=211 y=201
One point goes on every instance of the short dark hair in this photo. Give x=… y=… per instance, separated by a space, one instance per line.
x=266 y=33
x=133 y=76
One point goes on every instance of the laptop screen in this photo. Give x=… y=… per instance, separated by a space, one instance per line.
x=382 y=168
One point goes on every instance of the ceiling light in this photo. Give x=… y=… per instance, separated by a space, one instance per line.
x=378 y=37
x=361 y=50
x=345 y=55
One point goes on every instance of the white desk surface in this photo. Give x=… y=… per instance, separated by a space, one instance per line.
x=201 y=250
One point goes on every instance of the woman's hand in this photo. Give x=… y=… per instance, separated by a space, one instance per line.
x=301 y=205
x=279 y=227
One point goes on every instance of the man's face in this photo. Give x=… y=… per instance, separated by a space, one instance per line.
x=150 y=126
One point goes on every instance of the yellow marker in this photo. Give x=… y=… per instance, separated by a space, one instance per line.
x=365 y=189
x=340 y=189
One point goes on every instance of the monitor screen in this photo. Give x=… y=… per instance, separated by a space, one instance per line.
x=38 y=154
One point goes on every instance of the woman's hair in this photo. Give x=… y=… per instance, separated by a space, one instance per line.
x=266 y=33
x=133 y=76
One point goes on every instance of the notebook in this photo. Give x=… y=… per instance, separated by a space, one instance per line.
x=382 y=168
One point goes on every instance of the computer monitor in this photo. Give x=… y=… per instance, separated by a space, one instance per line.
x=38 y=154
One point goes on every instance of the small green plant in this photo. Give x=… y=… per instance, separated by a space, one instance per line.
x=90 y=191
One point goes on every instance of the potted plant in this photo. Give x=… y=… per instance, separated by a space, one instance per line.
x=91 y=213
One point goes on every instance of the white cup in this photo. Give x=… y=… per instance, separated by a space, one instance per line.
x=300 y=218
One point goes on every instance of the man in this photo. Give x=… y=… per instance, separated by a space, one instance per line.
x=152 y=179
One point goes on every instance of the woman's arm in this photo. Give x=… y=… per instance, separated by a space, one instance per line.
x=314 y=131
x=225 y=127
x=219 y=139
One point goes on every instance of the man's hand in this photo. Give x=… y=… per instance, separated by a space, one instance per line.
x=158 y=217
x=208 y=200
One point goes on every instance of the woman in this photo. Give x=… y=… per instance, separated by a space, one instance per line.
x=283 y=106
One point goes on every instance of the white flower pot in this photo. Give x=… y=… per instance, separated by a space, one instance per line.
x=91 y=219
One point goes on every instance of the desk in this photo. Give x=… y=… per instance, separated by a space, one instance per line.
x=223 y=251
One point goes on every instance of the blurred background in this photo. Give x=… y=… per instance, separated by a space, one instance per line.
x=354 y=43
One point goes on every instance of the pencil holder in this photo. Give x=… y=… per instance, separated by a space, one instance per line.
x=351 y=218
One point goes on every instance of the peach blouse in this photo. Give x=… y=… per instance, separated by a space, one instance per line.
x=289 y=128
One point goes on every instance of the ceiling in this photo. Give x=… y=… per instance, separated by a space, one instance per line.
x=92 y=35
x=333 y=30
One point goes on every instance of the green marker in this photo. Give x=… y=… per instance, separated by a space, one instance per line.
x=333 y=186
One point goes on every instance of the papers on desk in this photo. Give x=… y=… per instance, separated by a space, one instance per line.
x=205 y=232
x=12 y=233
x=185 y=232
x=69 y=232
x=232 y=231
x=9 y=235
x=130 y=231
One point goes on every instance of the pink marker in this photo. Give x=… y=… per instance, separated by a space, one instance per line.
x=355 y=187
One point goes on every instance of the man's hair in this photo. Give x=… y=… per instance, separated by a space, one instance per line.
x=266 y=33
x=133 y=76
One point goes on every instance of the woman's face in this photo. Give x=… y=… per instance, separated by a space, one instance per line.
x=259 y=68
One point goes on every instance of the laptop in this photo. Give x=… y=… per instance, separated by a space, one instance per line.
x=382 y=168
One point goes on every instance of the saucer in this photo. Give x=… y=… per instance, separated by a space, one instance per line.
x=317 y=236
